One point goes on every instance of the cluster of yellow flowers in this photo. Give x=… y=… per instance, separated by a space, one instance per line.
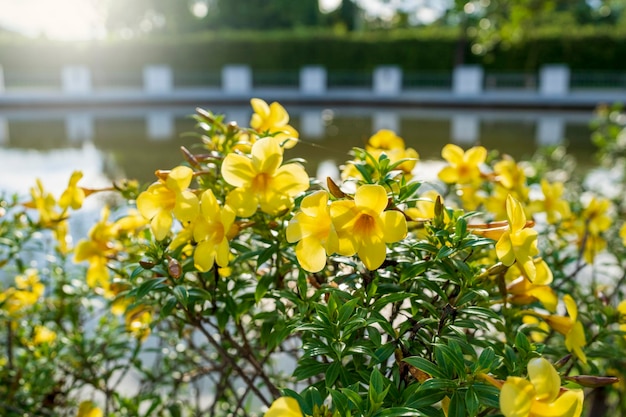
x=249 y=180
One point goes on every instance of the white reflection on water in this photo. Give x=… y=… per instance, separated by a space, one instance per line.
x=139 y=140
x=20 y=168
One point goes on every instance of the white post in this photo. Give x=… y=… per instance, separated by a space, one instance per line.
x=76 y=79
x=237 y=79
x=158 y=79
x=387 y=81
x=465 y=129
x=4 y=131
x=160 y=125
x=554 y=80
x=313 y=80
x=312 y=124
x=467 y=80
x=385 y=120
x=550 y=130
x=79 y=127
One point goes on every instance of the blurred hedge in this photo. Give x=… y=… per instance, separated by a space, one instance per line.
x=413 y=50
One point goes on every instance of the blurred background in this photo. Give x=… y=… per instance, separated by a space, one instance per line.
x=107 y=86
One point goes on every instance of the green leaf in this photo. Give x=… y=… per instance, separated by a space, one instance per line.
x=169 y=305
x=332 y=373
x=398 y=412
x=308 y=368
x=376 y=381
x=425 y=366
x=439 y=384
x=354 y=398
x=262 y=286
x=425 y=398
x=488 y=395
x=346 y=310
x=340 y=401
x=471 y=401
x=522 y=343
x=181 y=295
x=453 y=356
x=148 y=286
x=457 y=405
x=266 y=255
x=486 y=360
x=384 y=352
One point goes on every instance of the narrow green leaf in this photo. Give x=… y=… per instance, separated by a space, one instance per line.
x=425 y=366
x=332 y=373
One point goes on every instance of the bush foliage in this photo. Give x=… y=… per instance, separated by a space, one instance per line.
x=235 y=284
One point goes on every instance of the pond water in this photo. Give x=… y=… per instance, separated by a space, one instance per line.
x=132 y=142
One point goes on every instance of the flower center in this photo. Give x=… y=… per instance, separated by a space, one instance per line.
x=260 y=183
x=365 y=225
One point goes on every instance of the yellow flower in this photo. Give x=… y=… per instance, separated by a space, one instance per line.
x=541 y=395
x=595 y=215
x=260 y=180
x=284 y=407
x=518 y=244
x=89 y=409
x=523 y=292
x=537 y=336
x=73 y=196
x=570 y=327
x=424 y=207
x=464 y=167
x=386 y=141
x=138 y=321
x=97 y=250
x=512 y=177
x=273 y=120
x=27 y=291
x=364 y=227
x=312 y=228
x=169 y=196
x=209 y=231
x=553 y=205
x=43 y=335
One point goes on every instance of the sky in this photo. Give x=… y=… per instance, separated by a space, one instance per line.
x=55 y=19
x=80 y=20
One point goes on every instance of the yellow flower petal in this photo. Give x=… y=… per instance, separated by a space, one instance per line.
x=187 y=206
x=394 y=226
x=570 y=305
x=267 y=155
x=372 y=253
x=204 y=256
x=161 y=225
x=516 y=397
x=284 y=407
x=504 y=249
x=242 y=201
x=371 y=197
x=544 y=378
x=311 y=254
x=237 y=170
x=260 y=107
x=476 y=155
x=452 y=153
x=569 y=404
x=179 y=178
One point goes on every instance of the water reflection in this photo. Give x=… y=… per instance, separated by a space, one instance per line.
x=134 y=142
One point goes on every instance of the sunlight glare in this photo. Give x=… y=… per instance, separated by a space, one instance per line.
x=59 y=19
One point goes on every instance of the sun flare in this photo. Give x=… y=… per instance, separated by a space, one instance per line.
x=59 y=19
